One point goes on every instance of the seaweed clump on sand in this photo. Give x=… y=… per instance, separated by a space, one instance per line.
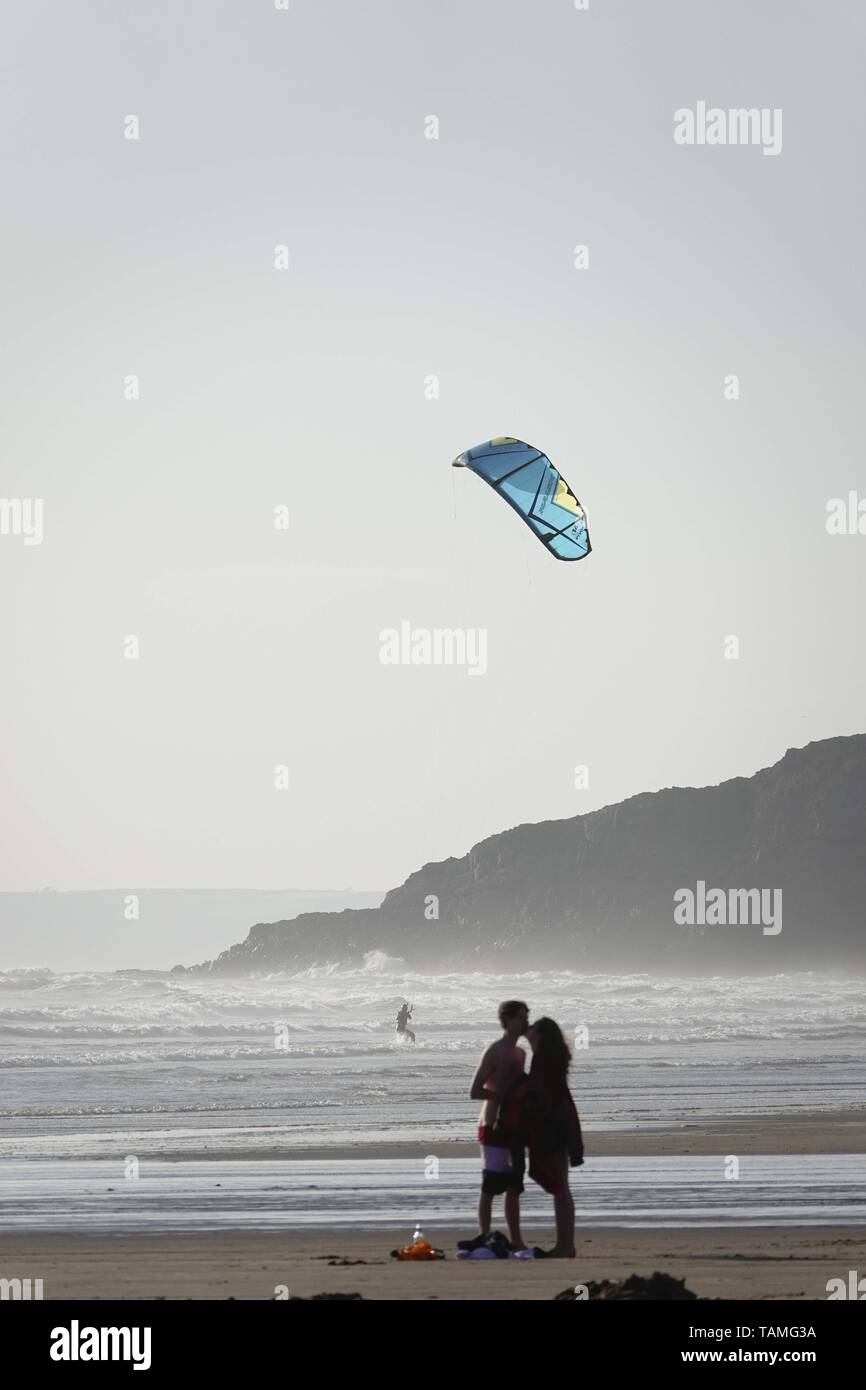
x=634 y=1289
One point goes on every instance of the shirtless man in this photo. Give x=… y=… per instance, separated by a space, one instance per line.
x=502 y=1064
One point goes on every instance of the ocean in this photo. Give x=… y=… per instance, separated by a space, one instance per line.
x=95 y=1065
x=102 y=1068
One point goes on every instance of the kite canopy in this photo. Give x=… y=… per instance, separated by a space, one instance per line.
x=529 y=483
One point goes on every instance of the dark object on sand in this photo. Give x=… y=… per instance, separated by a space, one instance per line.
x=498 y=1243
x=634 y=1289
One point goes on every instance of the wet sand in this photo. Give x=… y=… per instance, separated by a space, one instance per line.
x=832 y=1132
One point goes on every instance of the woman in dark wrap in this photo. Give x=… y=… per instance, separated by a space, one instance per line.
x=539 y=1113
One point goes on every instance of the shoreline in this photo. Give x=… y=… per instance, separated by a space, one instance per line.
x=814 y=1132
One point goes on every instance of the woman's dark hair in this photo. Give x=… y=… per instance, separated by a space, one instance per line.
x=553 y=1046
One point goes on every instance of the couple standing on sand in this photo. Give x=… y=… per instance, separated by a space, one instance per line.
x=520 y=1112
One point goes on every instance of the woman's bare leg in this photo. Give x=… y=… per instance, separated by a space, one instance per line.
x=563 y=1208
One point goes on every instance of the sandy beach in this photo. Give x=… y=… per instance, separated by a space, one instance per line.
x=750 y=1263
x=716 y=1261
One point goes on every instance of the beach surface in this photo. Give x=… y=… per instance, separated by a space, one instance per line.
x=755 y=1263
x=793 y=1259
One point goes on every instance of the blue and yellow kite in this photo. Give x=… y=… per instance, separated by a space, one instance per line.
x=536 y=490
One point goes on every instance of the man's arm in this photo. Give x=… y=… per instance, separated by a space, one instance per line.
x=486 y=1067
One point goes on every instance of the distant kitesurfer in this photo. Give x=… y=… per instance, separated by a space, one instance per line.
x=402 y=1019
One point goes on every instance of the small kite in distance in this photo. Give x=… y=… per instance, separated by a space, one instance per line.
x=537 y=491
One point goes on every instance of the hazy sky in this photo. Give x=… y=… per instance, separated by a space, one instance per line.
x=409 y=257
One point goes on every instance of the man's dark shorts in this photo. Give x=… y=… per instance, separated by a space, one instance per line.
x=501 y=1169
x=496 y=1184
